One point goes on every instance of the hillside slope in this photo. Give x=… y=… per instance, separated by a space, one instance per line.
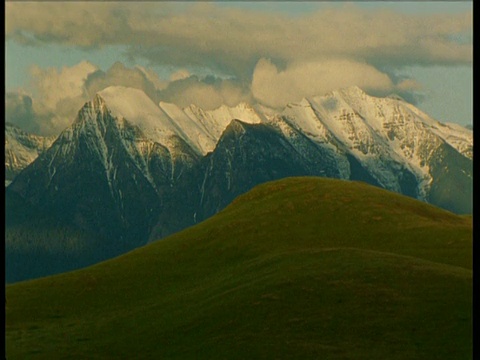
x=297 y=268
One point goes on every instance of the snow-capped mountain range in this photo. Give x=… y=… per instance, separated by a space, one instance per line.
x=129 y=170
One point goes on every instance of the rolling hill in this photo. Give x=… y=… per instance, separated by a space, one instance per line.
x=302 y=268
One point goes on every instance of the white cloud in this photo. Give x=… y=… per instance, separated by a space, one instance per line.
x=52 y=85
x=208 y=93
x=19 y=111
x=57 y=95
x=152 y=76
x=234 y=40
x=409 y=85
x=119 y=75
x=319 y=51
x=277 y=88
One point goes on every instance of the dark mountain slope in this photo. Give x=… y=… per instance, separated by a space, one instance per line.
x=298 y=268
x=251 y=154
x=101 y=177
x=452 y=186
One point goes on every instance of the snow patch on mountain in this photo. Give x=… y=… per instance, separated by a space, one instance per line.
x=455 y=135
x=198 y=128
x=190 y=128
x=216 y=121
x=376 y=130
x=358 y=136
x=136 y=107
x=21 y=149
x=305 y=118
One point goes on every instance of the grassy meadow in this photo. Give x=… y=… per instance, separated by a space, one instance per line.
x=301 y=268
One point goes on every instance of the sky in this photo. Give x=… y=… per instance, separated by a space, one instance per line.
x=58 y=54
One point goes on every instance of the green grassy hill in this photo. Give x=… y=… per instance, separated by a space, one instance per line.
x=304 y=268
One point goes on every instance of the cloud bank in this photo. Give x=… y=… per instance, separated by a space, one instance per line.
x=276 y=88
x=19 y=111
x=234 y=40
x=120 y=75
x=56 y=95
x=271 y=58
x=53 y=94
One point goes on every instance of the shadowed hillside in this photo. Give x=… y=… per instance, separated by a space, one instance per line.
x=308 y=268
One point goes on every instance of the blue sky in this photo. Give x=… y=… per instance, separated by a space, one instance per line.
x=421 y=50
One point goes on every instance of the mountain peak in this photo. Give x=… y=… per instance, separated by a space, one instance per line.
x=136 y=107
x=125 y=101
x=349 y=91
x=353 y=90
x=90 y=108
x=236 y=126
x=98 y=101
